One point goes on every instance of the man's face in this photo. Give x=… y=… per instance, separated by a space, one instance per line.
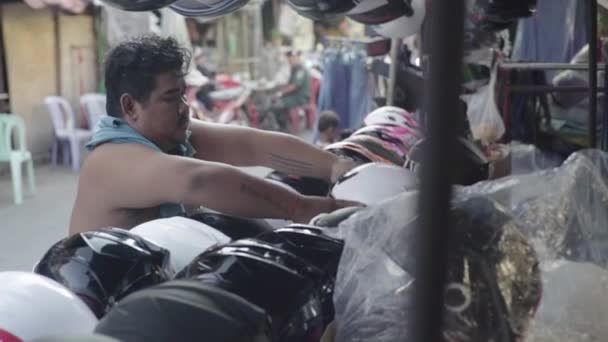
x=165 y=117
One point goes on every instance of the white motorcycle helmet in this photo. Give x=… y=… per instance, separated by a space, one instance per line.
x=33 y=306
x=390 y=115
x=390 y=18
x=372 y=183
x=184 y=238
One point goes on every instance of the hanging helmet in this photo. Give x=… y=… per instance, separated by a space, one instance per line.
x=473 y=168
x=372 y=183
x=32 y=306
x=390 y=18
x=207 y=8
x=185 y=310
x=304 y=185
x=383 y=150
x=390 y=115
x=323 y=9
x=184 y=238
x=279 y=282
x=104 y=265
x=234 y=227
x=138 y=5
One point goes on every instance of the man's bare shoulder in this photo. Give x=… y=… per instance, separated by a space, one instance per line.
x=107 y=162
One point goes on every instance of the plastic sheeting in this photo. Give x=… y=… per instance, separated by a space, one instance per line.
x=564 y=210
x=574 y=306
x=494 y=282
x=528 y=158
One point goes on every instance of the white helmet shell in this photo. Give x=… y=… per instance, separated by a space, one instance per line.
x=390 y=115
x=33 y=306
x=375 y=182
x=184 y=238
x=387 y=21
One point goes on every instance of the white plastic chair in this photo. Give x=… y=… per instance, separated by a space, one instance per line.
x=94 y=105
x=16 y=156
x=66 y=133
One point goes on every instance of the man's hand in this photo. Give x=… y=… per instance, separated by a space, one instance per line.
x=340 y=167
x=310 y=206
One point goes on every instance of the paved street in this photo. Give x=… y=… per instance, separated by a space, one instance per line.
x=28 y=230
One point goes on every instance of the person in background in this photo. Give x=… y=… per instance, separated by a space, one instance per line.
x=328 y=127
x=295 y=93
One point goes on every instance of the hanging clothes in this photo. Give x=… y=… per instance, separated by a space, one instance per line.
x=360 y=100
x=555 y=33
x=345 y=87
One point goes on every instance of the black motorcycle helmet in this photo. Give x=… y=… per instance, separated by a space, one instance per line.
x=184 y=311
x=322 y=9
x=207 y=8
x=494 y=284
x=279 y=282
x=472 y=169
x=234 y=227
x=138 y=5
x=105 y=265
x=311 y=244
x=304 y=185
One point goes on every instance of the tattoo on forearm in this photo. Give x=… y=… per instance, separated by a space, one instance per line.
x=290 y=166
x=264 y=196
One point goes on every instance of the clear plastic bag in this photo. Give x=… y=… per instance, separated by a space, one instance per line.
x=483 y=114
x=564 y=210
x=528 y=158
x=574 y=305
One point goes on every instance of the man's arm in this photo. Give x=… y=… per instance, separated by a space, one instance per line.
x=142 y=178
x=240 y=146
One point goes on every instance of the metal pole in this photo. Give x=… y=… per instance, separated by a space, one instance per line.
x=604 y=136
x=592 y=73
x=544 y=66
x=392 y=76
x=445 y=42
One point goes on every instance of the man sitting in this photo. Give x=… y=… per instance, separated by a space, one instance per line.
x=295 y=93
x=148 y=160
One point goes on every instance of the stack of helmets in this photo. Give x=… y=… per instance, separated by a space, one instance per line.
x=387 y=136
x=315 y=247
x=105 y=265
x=286 y=286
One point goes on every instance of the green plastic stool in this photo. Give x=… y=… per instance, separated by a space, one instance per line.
x=16 y=156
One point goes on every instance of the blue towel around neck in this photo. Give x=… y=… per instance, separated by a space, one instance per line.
x=117 y=131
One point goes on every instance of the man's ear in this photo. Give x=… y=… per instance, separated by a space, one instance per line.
x=128 y=105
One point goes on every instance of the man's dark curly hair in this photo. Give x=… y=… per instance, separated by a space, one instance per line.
x=132 y=66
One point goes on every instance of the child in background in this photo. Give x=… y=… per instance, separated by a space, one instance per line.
x=328 y=127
